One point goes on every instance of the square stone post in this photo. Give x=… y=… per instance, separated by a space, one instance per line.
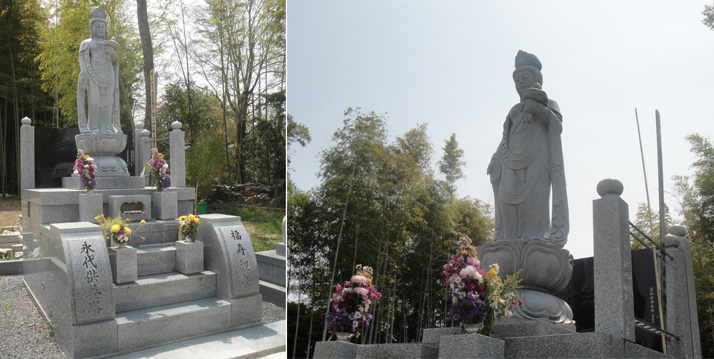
x=164 y=204
x=27 y=154
x=681 y=310
x=189 y=257
x=178 y=156
x=144 y=152
x=123 y=263
x=90 y=206
x=138 y=160
x=280 y=247
x=614 y=306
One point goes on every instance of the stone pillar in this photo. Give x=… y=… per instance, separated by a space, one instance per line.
x=145 y=152
x=681 y=309
x=178 y=156
x=614 y=306
x=138 y=159
x=280 y=247
x=27 y=154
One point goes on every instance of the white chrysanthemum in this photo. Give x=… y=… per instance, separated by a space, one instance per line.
x=468 y=272
x=495 y=267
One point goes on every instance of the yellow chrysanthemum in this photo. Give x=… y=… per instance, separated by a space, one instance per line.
x=182 y=218
x=191 y=217
x=195 y=220
x=127 y=230
x=491 y=275
x=115 y=228
x=143 y=222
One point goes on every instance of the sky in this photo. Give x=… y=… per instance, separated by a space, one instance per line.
x=449 y=64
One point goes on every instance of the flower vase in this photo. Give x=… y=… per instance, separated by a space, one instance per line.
x=189 y=257
x=471 y=328
x=343 y=336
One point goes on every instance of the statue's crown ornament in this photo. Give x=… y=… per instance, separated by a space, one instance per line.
x=525 y=59
x=98 y=13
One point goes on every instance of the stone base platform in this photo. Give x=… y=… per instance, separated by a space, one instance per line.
x=106 y=182
x=536 y=339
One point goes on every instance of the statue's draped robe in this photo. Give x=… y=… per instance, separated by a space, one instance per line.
x=102 y=89
x=530 y=159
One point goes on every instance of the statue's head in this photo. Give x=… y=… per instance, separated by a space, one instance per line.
x=98 y=22
x=527 y=73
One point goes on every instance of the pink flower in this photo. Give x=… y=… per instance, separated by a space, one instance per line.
x=358 y=279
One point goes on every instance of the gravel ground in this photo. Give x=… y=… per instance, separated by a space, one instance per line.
x=23 y=333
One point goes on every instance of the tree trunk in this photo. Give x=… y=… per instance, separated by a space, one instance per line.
x=148 y=51
x=297 y=321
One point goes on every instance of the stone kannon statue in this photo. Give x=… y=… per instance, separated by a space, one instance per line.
x=99 y=78
x=98 y=118
x=529 y=162
x=526 y=165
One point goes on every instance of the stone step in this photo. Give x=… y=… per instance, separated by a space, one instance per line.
x=151 y=326
x=273 y=293
x=155 y=260
x=163 y=289
x=271 y=267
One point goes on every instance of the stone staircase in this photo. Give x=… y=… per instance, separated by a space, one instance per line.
x=138 y=298
x=164 y=305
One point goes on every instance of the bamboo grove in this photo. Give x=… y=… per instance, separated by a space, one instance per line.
x=220 y=70
x=378 y=204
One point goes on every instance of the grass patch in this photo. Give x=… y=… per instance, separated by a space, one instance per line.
x=270 y=221
x=264 y=227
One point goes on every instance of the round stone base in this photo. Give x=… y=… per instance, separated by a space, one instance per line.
x=542 y=306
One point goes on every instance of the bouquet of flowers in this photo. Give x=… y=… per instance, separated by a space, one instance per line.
x=84 y=166
x=189 y=227
x=158 y=170
x=351 y=303
x=477 y=296
x=117 y=230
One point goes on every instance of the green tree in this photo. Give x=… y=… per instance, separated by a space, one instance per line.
x=451 y=163
x=378 y=204
x=696 y=198
x=202 y=169
x=266 y=145
x=241 y=56
x=708 y=16
x=647 y=221
x=20 y=83
x=204 y=116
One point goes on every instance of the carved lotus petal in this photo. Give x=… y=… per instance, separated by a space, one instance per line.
x=546 y=266
x=101 y=143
